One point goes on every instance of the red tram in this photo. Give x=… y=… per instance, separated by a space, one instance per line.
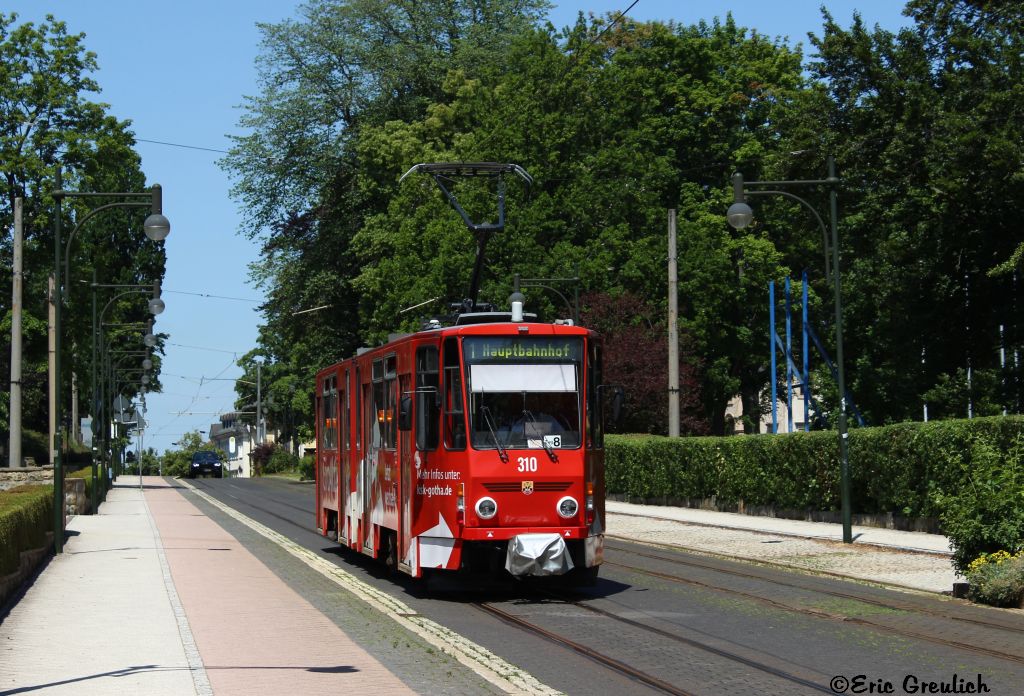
x=472 y=446
x=476 y=445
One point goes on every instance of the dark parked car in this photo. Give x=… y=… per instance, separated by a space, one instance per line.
x=205 y=462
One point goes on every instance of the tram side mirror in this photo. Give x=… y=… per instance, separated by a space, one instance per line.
x=614 y=398
x=405 y=413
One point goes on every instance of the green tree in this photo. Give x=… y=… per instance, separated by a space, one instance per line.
x=616 y=127
x=46 y=120
x=176 y=462
x=344 y=64
x=925 y=128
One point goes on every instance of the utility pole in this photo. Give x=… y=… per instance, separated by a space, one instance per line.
x=259 y=403
x=53 y=374
x=673 y=329
x=15 y=460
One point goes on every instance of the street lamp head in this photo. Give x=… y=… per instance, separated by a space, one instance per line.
x=157 y=227
x=147 y=364
x=739 y=215
x=156 y=306
x=145 y=379
x=149 y=340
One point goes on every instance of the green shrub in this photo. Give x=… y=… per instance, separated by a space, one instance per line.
x=968 y=474
x=279 y=461
x=261 y=458
x=35 y=445
x=997 y=579
x=26 y=514
x=306 y=466
x=177 y=465
x=984 y=513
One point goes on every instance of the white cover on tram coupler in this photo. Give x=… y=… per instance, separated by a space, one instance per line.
x=537 y=554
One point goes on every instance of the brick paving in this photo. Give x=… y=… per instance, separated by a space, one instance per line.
x=255 y=634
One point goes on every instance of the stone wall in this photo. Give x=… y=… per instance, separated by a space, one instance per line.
x=9 y=478
x=75 y=500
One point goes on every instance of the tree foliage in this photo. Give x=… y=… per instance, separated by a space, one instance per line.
x=48 y=120
x=176 y=462
x=618 y=121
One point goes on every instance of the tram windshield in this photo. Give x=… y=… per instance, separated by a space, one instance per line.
x=524 y=392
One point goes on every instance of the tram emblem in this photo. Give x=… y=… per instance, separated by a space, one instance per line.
x=527 y=487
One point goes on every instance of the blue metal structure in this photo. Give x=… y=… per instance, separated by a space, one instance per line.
x=803 y=381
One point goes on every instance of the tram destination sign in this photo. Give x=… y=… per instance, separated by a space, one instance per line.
x=524 y=349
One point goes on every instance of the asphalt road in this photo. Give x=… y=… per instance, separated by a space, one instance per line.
x=658 y=620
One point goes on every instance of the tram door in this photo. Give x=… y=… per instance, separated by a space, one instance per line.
x=405 y=465
x=344 y=460
x=367 y=468
x=413 y=459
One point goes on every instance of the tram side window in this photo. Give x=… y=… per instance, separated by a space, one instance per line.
x=329 y=405
x=343 y=406
x=385 y=377
x=454 y=418
x=595 y=416
x=428 y=382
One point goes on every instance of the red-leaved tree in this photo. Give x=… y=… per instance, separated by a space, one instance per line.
x=636 y=357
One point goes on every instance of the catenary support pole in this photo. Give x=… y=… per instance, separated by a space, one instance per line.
x=15 y=459
x=771 y=341
x=673 y=329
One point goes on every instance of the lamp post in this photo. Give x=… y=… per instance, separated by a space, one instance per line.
x=98 y=405
x=740 y=215
x=157 y=228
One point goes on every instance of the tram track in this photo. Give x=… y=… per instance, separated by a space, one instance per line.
x=752 y=574
x=914 y=608
x=588 y=652
x=632 y=672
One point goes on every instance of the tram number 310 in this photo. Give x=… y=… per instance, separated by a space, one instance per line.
x=527 y=464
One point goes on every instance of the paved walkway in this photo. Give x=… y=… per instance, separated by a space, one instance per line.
x=153 y=597
x=905 y=559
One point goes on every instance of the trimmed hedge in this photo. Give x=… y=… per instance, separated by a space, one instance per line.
x=26 y=515
x=908 y=469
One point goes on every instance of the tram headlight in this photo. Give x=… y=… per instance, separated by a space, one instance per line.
x=568 y=507
x=486 y=508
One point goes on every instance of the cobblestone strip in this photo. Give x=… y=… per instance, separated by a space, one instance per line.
x=491 y=667
x=188 y=641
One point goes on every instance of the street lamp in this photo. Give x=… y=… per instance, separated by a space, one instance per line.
x=740 y=215
x=99 y=405
x=156 y=228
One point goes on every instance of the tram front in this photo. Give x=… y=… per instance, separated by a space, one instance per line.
x=534 y=494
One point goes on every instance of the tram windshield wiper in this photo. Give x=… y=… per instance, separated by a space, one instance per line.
x=547 y=448
x=486 y=413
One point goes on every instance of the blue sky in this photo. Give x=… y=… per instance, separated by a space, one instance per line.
x=179 y=70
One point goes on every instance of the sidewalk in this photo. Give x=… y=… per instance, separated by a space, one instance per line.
x=144 y=600
x=911 y=560
x=152 y=596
